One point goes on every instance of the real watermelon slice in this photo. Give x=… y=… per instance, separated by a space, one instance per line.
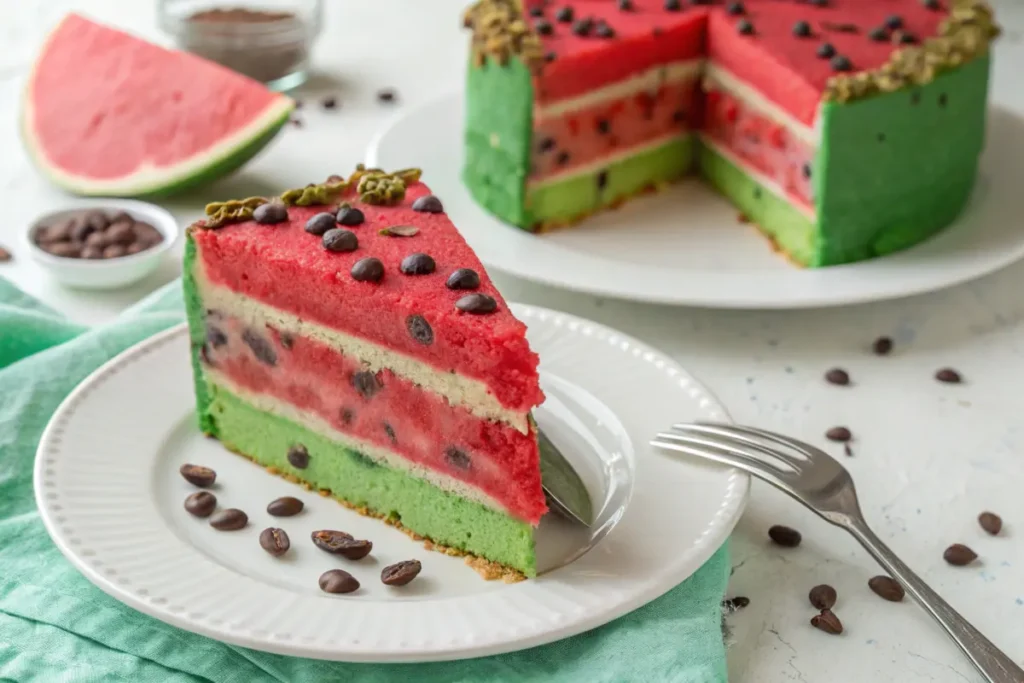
x=106 y=113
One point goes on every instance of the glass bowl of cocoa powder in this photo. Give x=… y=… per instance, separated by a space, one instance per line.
x=267 y=40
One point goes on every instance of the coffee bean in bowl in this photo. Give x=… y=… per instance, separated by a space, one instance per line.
x=102 y=244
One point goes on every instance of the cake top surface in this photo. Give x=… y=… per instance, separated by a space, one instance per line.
x=877 y=45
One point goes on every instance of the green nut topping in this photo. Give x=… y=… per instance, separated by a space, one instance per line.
x=499 y=32
x=381 y=188
x=220 y=214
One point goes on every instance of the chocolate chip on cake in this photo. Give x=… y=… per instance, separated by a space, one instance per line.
x=537 y=11
x=198 y=475
x=368 y=270
x=429 y=204
x=275 y=541
x=463 y=278
x=564 y=15
x=320 y=224
x=932 y=4
x=477 y=304
x=231 y=519
x=339 y=240
x=338 y=581
x=298 y=456
x=400 y=573
x=201 y=504
x=802 y=29
x=418 y=264
x=270 y=213
x=582 y=27
x=826 y=51
x=350 y=216
x=673 y=5
x=419 y=329
x=625 y=5
x=543 y=27
x=285 y=506
x=879 y=34
x=841 y=63
x=366 y=383
x=735 y=8
x=894 y=21
x=903 y=38
x=604 y=30
x=745 y=27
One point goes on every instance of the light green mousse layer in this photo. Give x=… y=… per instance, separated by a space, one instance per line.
x=443 y=517
x=580 y=195
x=776 y=217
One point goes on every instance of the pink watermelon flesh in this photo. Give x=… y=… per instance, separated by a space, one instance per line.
x=103 y=104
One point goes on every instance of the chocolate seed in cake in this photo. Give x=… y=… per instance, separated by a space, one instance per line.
x=419 y=329
x=428 y=204
x=603 y=126
x=463 y=278
x=841 y=434
x=386 y=95
x=625 y=5
x=882 y=346
x=785 y=536
x=602 y=179
x=285 y=506
x=678 y=116
x=400 y=573
x=932 y=4
x=390 y=431
x=948 y=376
x=546 y=144
x=298 y=456
x=879 y=34
x=215 y=336
x=673 y=5
x=841 y=63
x=320 y=224
x=745 y=27
x=604 y=30
x=457 y=459
x=260 y=347
x=349 y=216
x=837 y=376
x=886 y=588
x=197 y=475
x=201 y=504
x=823 y=596
x=543 y=27
x=347 y=415
x=287 y=340
x=477 y=304
x=231 y=519
x=991 y=523
x=418 y=264
x=802 y=29
x=339 y=240
x=828 y=622
x=582 y=27
x=806 y=170
x=366 y=383
x=959 y=555
x=275 y=541
x=562 y=159
x=270 y=213
x=735 y=8
x=894 y=21
x=826 y=51
x=368 y=270
x=564 y=15
x=338 y=581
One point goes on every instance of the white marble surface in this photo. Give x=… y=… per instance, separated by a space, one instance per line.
x=927 y=457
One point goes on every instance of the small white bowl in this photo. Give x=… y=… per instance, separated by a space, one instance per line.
x=110 y=273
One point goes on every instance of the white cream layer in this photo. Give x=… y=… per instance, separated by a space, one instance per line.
x=649 y=80
x=458 y=390
x=318 y=425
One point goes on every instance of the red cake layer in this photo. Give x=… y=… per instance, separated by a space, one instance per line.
x=390 y=412
x=286 y=267
x=781 y=65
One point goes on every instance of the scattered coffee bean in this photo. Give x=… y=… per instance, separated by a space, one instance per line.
x=785 y=536
x=882 y=346
x=428 y=204
x=837 y=376
x=5 y=255
x=350 y=217
x=275 y=541
x=338 y=581
x=295 y=121
x=387 y=95
x=959 y=555
x=270 y=213
x=477 y=304
x=329 y=103
x=92 y=253
x=340 y=241
x=887 y=588
x=457 y=458
x=201 y=503
x=991 y=522
x=739 y=602
x=197 y=475
x=114 y=251
x=341 y=543
x=400 y=573
x=366 y=383
x=419 y=329
x=823 y=596
x=231 y=519
x=368 y=270
x=463 y=278
x=91 y=234
x=418 y=264
x=298 y=456
x=847 y=450
x=838 y=434
x=399 y=231
x=827 y=622
x=285 y=506
x=320 y=224
x=949 y=376
x=260 y=347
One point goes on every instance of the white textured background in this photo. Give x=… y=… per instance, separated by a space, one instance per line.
x=927 y=457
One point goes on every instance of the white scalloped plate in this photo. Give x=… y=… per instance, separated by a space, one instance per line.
x=108 y=491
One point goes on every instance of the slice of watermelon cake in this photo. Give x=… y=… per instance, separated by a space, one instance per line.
x=844 y=129
x=344 y=335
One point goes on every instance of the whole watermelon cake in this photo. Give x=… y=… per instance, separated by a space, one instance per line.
x=844 y=129
x=345 y=335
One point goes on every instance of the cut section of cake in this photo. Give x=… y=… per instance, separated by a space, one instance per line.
x=818 y=120
x=345 y=335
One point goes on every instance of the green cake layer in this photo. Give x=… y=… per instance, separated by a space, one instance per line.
x=580 y=195
x=443 y=517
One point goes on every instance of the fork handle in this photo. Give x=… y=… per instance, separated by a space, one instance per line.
x=990 y=661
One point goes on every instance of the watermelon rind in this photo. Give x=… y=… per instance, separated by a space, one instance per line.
x=226 y=156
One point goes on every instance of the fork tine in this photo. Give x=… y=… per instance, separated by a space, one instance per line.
x=801 y=446
x=738 y=440
x=669 y=441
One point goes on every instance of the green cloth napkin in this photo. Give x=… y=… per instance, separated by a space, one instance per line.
x=56 y=626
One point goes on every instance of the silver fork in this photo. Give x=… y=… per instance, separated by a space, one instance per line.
x=817 y=480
